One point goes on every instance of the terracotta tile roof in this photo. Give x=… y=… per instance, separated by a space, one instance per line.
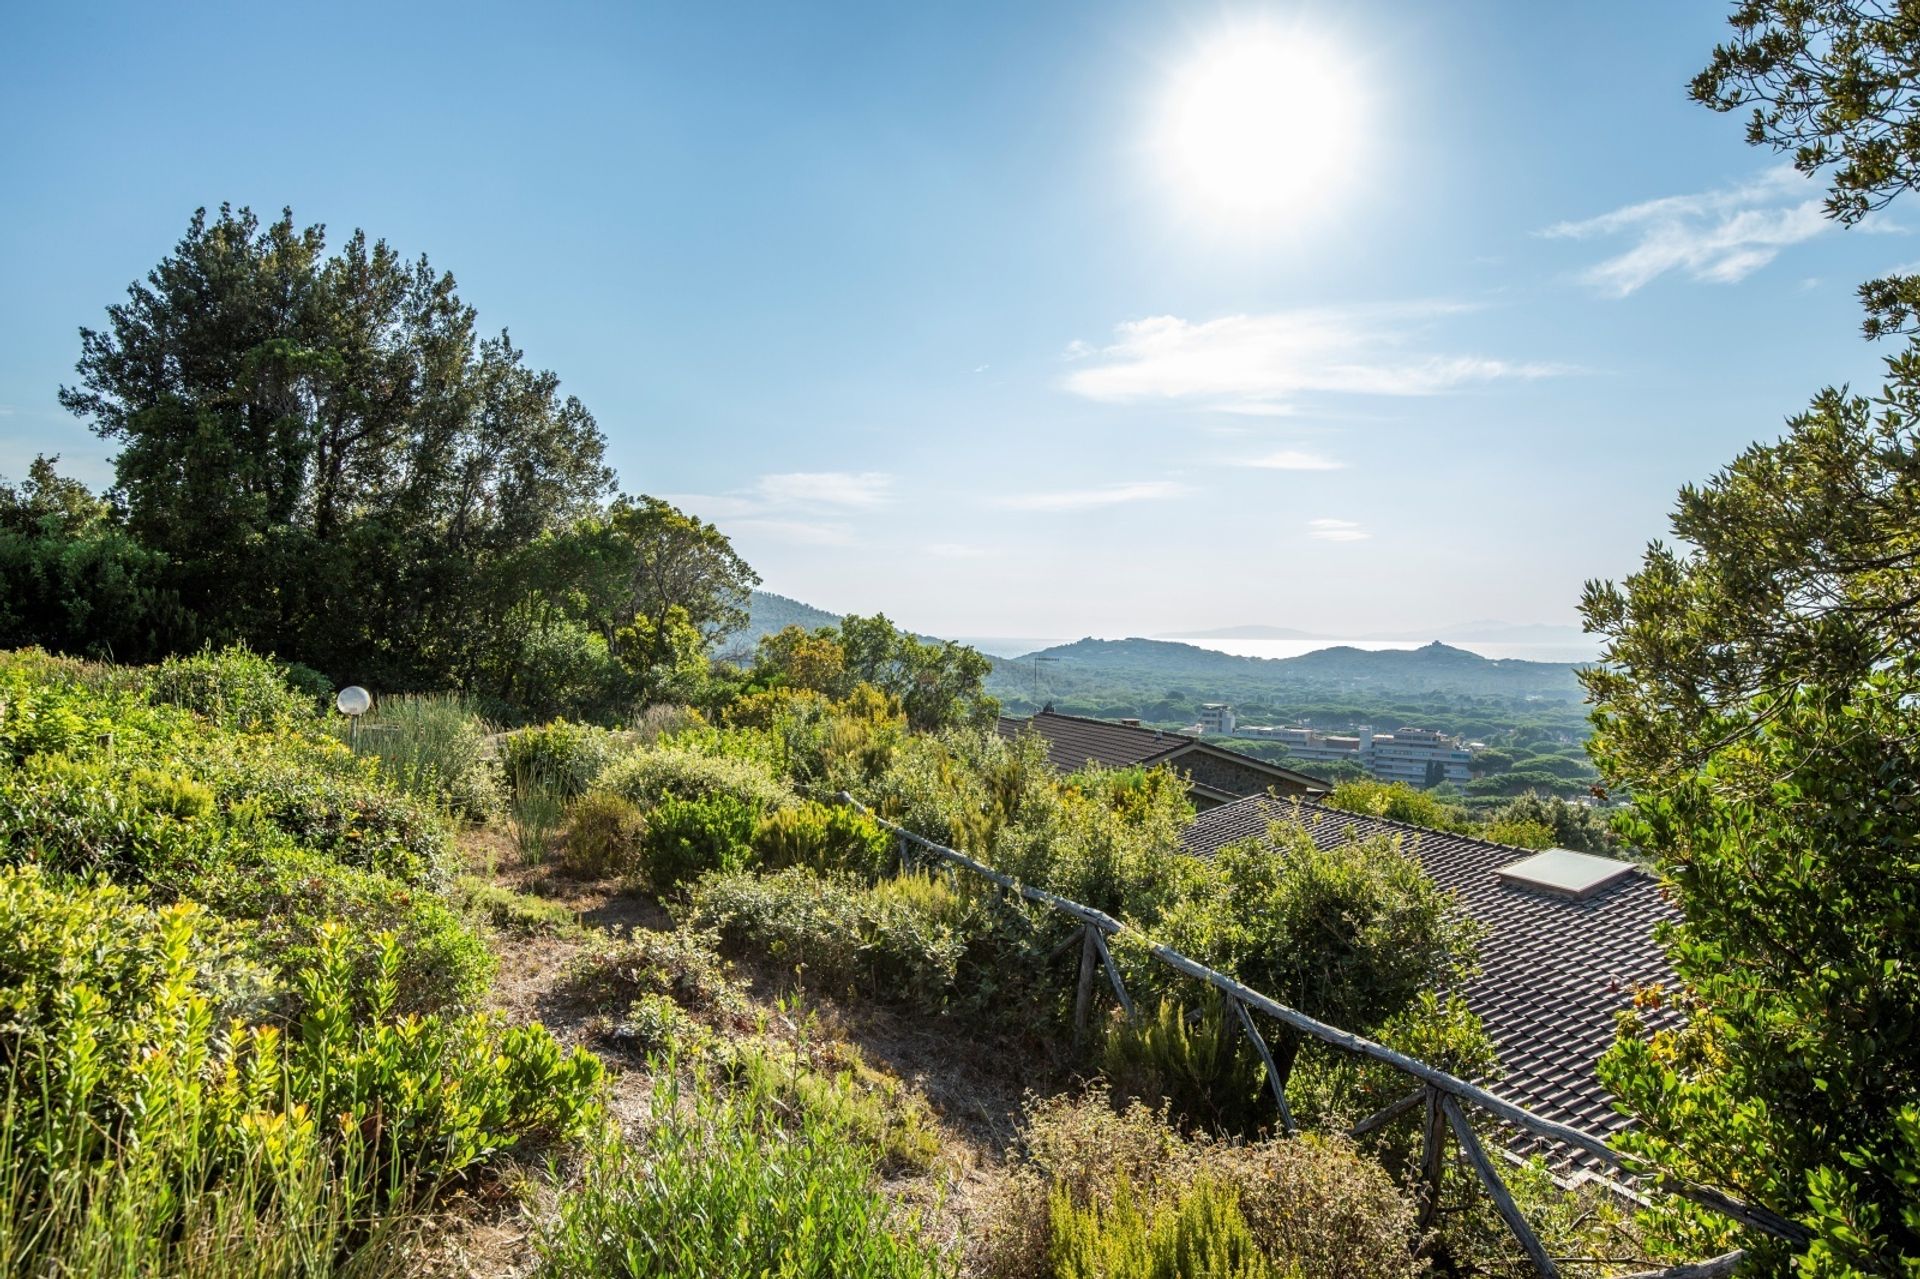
x=1554 y=970
x=1074 y=741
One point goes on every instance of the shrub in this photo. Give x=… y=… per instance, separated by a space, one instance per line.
x=433 y=746
x=1312 y=1206
x=1398 y=802
x=604 y=836
x=824 y=837
x=835 y=1082
x=683 y=965
x=121 y=1058
x=568 y=757
x=686 y=838
x=441 y=962
x=1199 y=1231
x=731 y=1184
x=1198 y=1066
x=900 y=940
x=235 y=688
x=646 y=777
x=516 y=913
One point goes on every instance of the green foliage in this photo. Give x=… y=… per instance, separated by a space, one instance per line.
x=605 y=836
x=683 y=965
x=341 y=465
x=900 y=940
x=1351 y=934
x=1305 y=1206
x=1399 y=802
x=1761 y=700
x=938 y=684
x=76 y=581
x=645 y=777
x=835 y=1082
x=830 y=837
x=234 y=688
x=121 y=1056
x=686 y=838
x=518 y=914
x=442 y=963
x=568 y=757
x=433 y=746
x=1196 y=1066
x=736 y=1184
x=1199 y=1231
x=1580 y=827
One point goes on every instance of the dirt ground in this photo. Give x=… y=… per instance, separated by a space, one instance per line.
x=487 y=1231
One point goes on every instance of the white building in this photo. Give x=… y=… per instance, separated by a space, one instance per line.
x=1217 y=717
x=1417 y=756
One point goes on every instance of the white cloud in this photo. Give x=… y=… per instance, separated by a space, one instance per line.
x=1261 y=364
x=1094 y=498
x=1719 y=237
x=1292 y=460
x=955 y=551
x=862 y=490
x=795 y=506
x=1336 y=531
x=806 y=532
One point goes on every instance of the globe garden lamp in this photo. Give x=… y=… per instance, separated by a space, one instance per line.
x=354 y=702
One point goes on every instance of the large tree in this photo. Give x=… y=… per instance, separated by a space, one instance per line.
x=337 y=465
x=1759 y=695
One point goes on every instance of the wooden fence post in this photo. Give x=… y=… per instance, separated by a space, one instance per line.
x=1433 y=1155
x=1266 y=1056
x=1497 y=1189
x=1083 y=993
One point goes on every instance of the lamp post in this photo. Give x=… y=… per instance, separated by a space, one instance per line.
x=354 y=702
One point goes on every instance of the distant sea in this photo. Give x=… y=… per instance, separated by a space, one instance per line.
x=1020 y=646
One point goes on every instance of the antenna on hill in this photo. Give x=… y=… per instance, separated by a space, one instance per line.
x=1037 y=659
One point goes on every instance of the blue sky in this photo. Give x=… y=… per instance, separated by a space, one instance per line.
x=937 y=311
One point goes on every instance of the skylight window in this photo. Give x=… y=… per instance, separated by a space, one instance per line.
x=1565 y=873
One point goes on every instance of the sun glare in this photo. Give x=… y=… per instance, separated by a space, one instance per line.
x=1263 y=124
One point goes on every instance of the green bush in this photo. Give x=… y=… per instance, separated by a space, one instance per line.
x=1198 y=1231
x=1196 y=1065
x=902 y=940
x=121 y=1057
x=233 y=687
x=735 y=1183
x=568 y=757
x=434 y=747
x=683 y=965
x=1312 y=1207
x=520 y=914
x=605 y=836
x=686 y=838
x=289 y=894
x=646 y=777
x=835 y=1082
x=824 y=837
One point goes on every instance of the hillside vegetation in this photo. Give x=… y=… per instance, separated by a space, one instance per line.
x=275 y=1004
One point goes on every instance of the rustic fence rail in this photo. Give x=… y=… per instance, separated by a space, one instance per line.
x=1440 y=1094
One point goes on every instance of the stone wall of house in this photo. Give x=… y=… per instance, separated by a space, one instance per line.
x=1231 y=776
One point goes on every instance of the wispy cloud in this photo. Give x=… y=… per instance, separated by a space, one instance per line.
x=1292 y=460
x=1719 y=237
x=1094 y=498
x=861 y=490
x=1336 y=531
x=1262 y=364
x=809 y=507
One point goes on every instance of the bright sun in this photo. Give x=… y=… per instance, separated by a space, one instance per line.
x=1262 y=124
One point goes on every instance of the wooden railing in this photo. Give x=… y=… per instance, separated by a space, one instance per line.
x=1441 y=1096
